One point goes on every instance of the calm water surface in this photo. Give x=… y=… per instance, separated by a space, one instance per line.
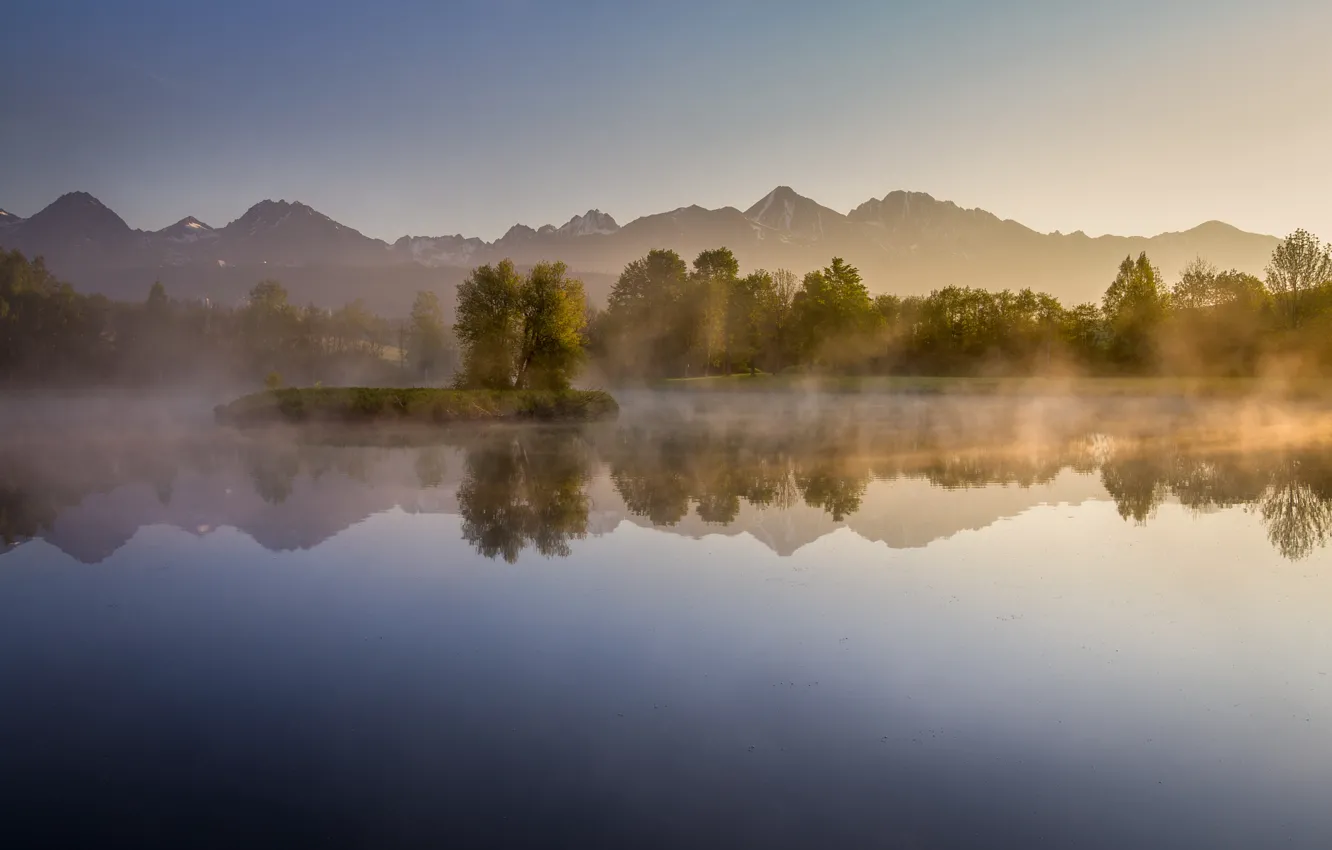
x=792 y=623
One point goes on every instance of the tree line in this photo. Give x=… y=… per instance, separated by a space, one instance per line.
x=52 y=335
x=669 y=319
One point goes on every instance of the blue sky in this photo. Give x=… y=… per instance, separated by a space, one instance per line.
x=433 y=118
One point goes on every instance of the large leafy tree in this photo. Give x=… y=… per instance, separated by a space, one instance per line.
x=520 y=331
x=552 y=314
x=651 y=324
x=833 y=314
x=488 y=326
x=1300 y=266
x=1135 y=307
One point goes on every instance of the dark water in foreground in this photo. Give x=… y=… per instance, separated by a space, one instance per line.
x=894 y=623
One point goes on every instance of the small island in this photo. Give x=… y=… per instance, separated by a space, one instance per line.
x=425 y=405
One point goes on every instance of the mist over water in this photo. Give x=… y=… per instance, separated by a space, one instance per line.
x=788 y=619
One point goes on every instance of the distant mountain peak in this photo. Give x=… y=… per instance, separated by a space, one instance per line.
x=1214 y=226
x=517 y=233
x=70 y=199
x=794 y=215
x=591 y=223
x=916 y=214
x=78 y=214
x=269 y=215
x=188 y=229
x=7 y=217
x=690 y=210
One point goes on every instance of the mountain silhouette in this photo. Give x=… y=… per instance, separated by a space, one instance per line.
x=904 y=243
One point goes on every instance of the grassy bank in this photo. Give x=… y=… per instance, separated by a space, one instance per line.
x=1000 y=386
x=413 y=405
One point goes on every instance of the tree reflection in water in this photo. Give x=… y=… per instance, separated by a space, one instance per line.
x=527 y=487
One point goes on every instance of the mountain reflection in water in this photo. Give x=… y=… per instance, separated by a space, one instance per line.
x=904 y=471
x=735 y=622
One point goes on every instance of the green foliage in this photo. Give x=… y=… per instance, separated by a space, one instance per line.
x=523 y=331
x=1300 y=267
x=668 y=320
x=833 y=316
x=713 y=283
x=552 y=316
x=651 y=326
x=1135 y=308
x=47 y=330
x=273 y=381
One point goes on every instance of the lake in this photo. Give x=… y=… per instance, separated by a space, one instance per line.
x=782 y=621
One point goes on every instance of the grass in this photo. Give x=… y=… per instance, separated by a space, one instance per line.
x=414 y=405
x=1028 y=386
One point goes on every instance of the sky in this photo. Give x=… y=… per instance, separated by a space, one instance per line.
x=467 y=116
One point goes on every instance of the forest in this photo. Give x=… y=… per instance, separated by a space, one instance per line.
x=667 y=319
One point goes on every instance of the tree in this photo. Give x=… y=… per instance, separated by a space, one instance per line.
x=520 y=331
x=487 y=327
x=553 y=315
x=157 y=306
x=1085 y=332
x=1217 y=321
x=714 y=279
x=751 y=316
x=1201 y=286
x=774 y=347
x=1196 y=287
x=652 y=323
x=154 y=338
x=832 y=313
x=1300 y=265
x=356 y=329
x=426 y=338
x=269 y=324
x=1135 y=306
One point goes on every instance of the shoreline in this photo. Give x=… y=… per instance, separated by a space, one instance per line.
x=413 y=405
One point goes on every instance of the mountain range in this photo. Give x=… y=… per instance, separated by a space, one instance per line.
x=905 y=242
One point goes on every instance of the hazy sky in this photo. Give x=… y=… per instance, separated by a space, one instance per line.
x=1132 y=116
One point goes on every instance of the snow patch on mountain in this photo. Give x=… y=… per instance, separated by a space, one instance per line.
x=793 y=216
x=437 y=251
x=591 y=223
x=188 y=229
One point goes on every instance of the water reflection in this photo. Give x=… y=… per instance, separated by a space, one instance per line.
x=524 y=488
x=540 y=488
